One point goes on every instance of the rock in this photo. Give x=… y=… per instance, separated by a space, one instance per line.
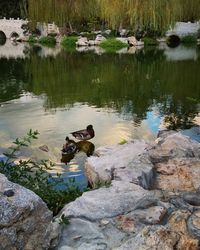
x=126 y=223
x=91 y=43
x=153 y=238
x=119 y=198
x=82 y=41
x=180 y=203
x=132 y=41
x=192 y=198
x=123 y=32
x=122 y=39
x=178 y=224
x=151 y=215
x=146 y=202
x=99 y=39
x=184 y=176
x=3 y=158
x=104 y=222
x=127 y=162
x=107 y=32
x=84 y=234
x=174 y=145
x=24 y=218
x=165 y=169
x=193 y=224
x=44 y=148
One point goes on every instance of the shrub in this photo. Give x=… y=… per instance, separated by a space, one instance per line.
x=48 y=41
x=34 y=176
x=69 y=41
x=112 y=45
x=190 y=39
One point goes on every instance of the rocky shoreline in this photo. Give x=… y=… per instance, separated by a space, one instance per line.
x=146 y=196
x=151 y=199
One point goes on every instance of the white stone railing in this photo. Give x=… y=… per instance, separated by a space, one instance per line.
x=11 y=25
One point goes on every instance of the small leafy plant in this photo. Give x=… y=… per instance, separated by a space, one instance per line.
x=63 y=220
x=122 y=142
x=34 y=176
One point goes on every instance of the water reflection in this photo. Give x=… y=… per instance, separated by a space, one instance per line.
x=81 y=146
x=181 y=53
x=16 y=50
x=87 y=147
x=124 y=96
x=67 y=157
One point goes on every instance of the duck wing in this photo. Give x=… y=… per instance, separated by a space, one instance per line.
x=81 y=134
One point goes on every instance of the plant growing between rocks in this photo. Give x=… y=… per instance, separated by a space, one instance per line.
x=34 y=176
x=69 y=42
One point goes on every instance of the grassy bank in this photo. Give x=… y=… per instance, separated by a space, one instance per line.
x=69 y=42
x=112 y=45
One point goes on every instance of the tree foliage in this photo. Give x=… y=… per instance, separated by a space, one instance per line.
x=137 y=14
x=13 y=8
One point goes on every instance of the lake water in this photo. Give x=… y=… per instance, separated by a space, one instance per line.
x=123 y=95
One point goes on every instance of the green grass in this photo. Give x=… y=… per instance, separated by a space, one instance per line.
x=189 y=40
x=69 y=42
x=32 y=39
x=112 y=45
x=48 y=41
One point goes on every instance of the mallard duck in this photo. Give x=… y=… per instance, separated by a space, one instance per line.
x=69 y=147
x=84 y=134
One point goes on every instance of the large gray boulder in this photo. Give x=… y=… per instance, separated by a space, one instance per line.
x=128 y=162
x=24 y=218
x=119 y=198
x=94 y=222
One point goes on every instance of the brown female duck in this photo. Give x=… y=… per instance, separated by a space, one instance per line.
x=84 y=134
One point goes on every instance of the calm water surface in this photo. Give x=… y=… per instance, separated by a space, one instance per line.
x=124 y=95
